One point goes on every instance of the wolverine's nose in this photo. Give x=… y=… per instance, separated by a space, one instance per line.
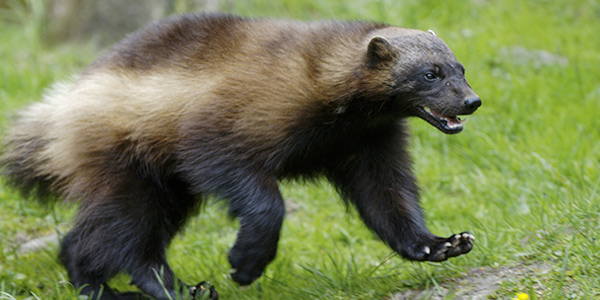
x=472 y=103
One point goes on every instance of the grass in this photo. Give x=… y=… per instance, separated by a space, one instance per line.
x=524 y=176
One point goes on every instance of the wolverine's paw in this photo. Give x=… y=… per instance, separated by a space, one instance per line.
x=246 y=266
x=204 y=291
x=453 y=246
x=244 y=277
x=249 y=261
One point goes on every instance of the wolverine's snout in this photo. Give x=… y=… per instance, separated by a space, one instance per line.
x=472 y=104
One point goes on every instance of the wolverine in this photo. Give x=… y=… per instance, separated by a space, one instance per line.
x=223 y=106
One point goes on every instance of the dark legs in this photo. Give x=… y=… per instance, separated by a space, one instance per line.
x=380 y=183
x=260 y=209
x=129 y=231
x=92 y=281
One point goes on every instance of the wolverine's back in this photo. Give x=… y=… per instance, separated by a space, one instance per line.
x=239 y=83
x=224 y=41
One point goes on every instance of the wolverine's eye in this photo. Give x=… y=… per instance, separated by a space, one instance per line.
x=430 y=77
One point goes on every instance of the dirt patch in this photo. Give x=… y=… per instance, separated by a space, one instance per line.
x=39 y=244
x=478 y=284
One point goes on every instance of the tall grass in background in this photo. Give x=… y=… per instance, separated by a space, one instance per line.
x=523 y=176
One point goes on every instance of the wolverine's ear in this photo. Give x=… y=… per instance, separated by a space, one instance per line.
x=379 y=51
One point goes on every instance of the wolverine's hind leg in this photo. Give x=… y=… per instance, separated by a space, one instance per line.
x=127 y=228
x=86 y=274
x=87 y=271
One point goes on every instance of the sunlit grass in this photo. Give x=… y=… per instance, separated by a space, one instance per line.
x=524 y=176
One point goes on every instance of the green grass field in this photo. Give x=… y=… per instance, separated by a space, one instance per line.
x=523 y=177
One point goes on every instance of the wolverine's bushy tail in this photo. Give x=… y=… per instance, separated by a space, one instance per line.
x=20 y=161
x=22 y=152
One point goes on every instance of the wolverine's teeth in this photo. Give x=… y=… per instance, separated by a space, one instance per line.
x=449 y=122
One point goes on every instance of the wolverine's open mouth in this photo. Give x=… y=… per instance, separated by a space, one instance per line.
x=446 y=124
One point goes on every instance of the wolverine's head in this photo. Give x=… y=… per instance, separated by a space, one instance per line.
x=426 y=79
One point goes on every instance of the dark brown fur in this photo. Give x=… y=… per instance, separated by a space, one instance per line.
x=220 y=105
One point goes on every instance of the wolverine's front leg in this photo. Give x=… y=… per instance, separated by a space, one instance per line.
x=259 y=206
x=380 y=183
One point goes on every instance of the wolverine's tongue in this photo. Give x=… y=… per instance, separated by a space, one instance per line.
x=451 y=121
x=448 y=124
